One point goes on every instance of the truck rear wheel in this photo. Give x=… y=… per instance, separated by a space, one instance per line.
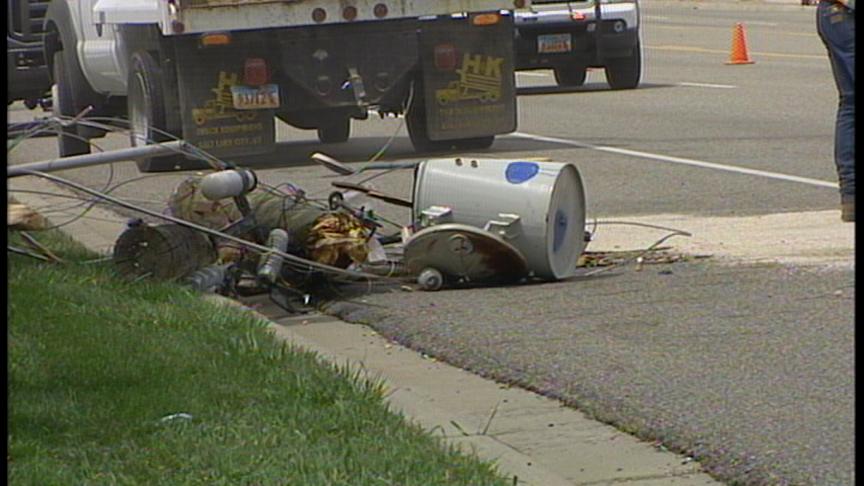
x=415 y=120
x=571 y=76
x=146 y=110
x=335 y=133
x=68 y=141
x=475 y=143
x=624 y=73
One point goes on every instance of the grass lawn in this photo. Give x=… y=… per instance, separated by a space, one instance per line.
x=99 y=369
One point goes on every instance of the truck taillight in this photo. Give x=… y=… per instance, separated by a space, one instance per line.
x=349 y=13
x=577 y=16
x=445 y=57
x=255 y=72
x=486 y=19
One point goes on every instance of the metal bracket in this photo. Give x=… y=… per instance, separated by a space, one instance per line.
x=355 y=82
x=435 y=215
x=508 y=226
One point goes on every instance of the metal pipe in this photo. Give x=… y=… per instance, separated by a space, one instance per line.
x=270 y=264
x=107 y=157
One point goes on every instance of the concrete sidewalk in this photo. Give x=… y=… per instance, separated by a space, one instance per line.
x=531 y=438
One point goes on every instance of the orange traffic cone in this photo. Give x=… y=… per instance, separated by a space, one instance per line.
x=739 y=53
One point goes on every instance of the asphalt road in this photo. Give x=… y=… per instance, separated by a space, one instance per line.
x=747 y=368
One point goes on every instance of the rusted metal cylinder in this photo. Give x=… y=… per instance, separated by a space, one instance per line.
x=163 y=252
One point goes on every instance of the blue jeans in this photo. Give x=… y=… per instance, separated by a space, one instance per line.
x=836 y=27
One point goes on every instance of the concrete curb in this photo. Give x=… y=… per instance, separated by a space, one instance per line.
x=533 y=439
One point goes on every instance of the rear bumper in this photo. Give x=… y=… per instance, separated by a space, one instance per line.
x=26 y=71
x=332 y=72
x=591 y=49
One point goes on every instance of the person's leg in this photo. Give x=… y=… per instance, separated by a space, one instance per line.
x=836 y=27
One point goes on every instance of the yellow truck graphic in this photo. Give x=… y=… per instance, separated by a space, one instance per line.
x=222 y=105
x=479 y=79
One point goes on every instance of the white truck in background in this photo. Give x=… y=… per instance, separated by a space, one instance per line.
x=218 y=72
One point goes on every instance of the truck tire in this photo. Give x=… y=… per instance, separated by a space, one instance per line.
x=571 y=76
x=476 y=143
x=625 y=72
x=147 y=115
x=335 y=133
x=415 y=120
x=69 y=143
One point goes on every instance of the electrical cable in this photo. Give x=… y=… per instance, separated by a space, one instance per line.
x=644 y=225
x=674 y=232
x=54 y=123
x=308 y=264
x=83 y=201
x=405 y=109
x=21 y=251
x=386 y=146
x=51 y=124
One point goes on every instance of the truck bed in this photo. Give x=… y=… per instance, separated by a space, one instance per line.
x=214 y=15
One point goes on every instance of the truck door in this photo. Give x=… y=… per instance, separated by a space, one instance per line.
x=97 y=52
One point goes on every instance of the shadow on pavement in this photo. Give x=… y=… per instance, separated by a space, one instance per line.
x=361 y=149
x=588 y=88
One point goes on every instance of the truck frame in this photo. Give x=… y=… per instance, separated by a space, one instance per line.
x=217 y=73
x=26 y=70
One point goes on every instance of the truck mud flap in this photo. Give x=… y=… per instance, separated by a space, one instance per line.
x=209 y=121
x=468 y=81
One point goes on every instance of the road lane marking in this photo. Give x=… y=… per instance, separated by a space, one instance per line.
x=707 y=85
x=679 y=160
x=762 y=22
x=772 y=32
x=725 y=52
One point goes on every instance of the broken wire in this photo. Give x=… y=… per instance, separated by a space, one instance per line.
x=290 y=259
x=652 y=247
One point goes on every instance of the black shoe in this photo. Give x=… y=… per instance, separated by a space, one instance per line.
x=847 y=208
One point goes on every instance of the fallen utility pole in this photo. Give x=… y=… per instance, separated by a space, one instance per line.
x=310 y=264
x=108 y=157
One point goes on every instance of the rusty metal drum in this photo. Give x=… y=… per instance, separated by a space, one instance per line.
x=538 y=207
x=163 y=252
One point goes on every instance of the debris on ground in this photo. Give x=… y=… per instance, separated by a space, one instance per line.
x=20 y=217
x=473 y=221
x=338 y=239
x=590 y=259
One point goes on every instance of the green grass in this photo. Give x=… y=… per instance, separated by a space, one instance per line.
x=95 y=363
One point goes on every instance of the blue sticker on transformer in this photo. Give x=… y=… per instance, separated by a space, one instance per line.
x=519 y=172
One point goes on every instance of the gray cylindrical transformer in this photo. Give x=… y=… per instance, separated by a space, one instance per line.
x=538 y=207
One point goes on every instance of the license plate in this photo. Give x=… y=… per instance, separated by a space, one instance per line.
x=550 y=43
x=255 y=97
